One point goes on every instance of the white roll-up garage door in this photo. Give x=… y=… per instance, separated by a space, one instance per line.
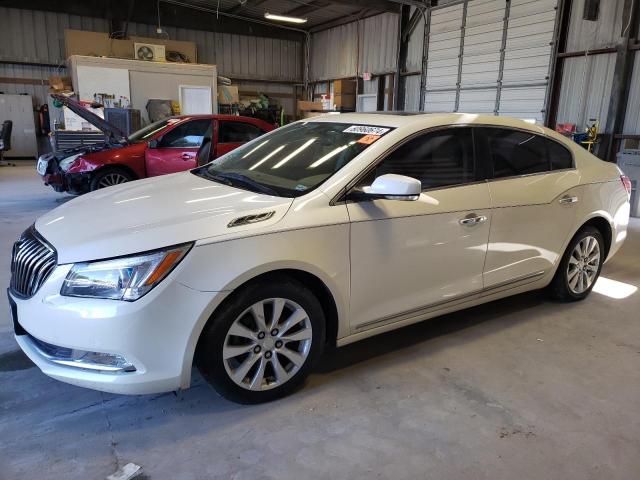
x=490 y=56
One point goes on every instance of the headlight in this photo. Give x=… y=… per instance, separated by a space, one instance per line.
x=65 y=163
x=126 y=278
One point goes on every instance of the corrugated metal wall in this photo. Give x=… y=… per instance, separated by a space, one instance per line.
x=38 y=37
x=588 y=35
x=632 y=118
x=334 y=52
x=586 y=90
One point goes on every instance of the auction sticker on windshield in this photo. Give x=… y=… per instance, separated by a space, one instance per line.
x=366 y=130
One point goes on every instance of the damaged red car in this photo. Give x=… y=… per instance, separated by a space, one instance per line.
x=167 y=146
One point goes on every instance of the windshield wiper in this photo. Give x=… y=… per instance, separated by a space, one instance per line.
x=231 y=179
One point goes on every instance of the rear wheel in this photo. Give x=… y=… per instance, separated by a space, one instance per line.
x=264 y=342
x=580 y=266
x=108 y=177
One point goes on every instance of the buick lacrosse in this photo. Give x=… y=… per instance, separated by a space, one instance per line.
x=318 y=234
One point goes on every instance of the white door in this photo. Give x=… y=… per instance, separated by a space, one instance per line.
x=411 y=255
x=195 y=100
x=534 y=194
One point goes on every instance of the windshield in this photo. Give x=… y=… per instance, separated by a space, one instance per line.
x=149 y=131
x=292 y=160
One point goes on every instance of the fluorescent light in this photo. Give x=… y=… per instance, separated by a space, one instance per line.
x=284 y=18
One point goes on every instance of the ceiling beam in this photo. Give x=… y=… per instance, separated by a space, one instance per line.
x=238 y=9
x=302 y=10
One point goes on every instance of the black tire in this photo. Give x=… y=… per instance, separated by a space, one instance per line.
x=559 y=287
x=111 y=176
x=209 y=353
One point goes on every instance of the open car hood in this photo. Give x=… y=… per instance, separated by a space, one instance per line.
x=111 y=131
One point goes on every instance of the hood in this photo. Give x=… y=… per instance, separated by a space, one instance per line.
x=153 y=213
x=111 y=131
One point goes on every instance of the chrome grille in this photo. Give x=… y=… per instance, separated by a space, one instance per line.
x=32 y=261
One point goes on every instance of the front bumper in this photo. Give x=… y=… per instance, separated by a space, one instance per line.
x=156 y=334
x=76 y=183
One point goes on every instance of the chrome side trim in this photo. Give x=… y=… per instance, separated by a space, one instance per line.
x=476 y=294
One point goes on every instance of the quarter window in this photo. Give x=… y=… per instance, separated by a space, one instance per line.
x=186 y=135
x=437 y=159
x=237 y=132
x=560 y=157
x=514 y=152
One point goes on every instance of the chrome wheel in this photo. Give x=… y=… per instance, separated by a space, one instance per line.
x=267 y=344
x=583 y=265
x=111 y=179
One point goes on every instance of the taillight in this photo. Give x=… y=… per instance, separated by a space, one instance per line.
x=626 y=183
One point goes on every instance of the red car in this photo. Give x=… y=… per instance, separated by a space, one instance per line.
x=167 y=146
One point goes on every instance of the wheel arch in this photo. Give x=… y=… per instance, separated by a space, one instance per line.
x=314 y=282
x=603 y=225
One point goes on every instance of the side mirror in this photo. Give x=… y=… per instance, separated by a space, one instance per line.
x=394 y=187
x=153 y=143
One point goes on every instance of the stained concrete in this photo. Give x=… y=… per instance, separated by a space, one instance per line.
x=519 y=388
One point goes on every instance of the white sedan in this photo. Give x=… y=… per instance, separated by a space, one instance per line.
x=320 y=233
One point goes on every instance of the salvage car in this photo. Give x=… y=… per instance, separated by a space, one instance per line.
x=166 y=146
x=321 y=233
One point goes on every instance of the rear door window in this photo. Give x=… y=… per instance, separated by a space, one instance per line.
x=560 y=156
x=237 y=132
x=515 y=152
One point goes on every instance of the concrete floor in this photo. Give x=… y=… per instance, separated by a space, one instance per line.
x=520 y=388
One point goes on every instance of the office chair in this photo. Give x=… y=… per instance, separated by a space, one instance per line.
x=5 y=141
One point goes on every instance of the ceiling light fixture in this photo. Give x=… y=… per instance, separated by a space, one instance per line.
x=284 y=18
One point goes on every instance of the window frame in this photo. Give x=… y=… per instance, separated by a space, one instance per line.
x=484 y=155
x=221 y=122
x=178 y=125
x=484 y=166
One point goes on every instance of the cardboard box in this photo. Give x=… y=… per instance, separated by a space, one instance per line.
x=98 y=44
x=58 y=83
x=305 y=106
x=228 y=94
x=308 y=114
x=345 y=100
x=344 y=86
x=77 y=123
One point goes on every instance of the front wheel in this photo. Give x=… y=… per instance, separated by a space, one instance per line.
x=263 y=343
x=580 y=266
x=108 y=177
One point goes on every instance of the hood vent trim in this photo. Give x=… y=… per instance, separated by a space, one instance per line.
x=248 y=219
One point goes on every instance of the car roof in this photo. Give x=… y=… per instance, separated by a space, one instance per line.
x=426 y=120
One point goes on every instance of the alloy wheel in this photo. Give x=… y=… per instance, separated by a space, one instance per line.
x=111 y=179
x=267 y=344
x=583 y=265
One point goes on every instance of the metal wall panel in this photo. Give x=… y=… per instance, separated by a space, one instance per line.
x=586 y=89
x=38 y=37
x=39 y=91
x=334 y=52
x=602 y=33
x=414 y=47
x=632 y=117
x=412 y=93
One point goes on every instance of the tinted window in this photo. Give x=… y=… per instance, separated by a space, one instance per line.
x=237 y=132
x=187 y=134
x=437 y=159
x=514 y=152
x=560 y=157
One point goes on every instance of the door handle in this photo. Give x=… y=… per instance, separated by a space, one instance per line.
x=187 y=156
x=567 y=200
x=475 y=220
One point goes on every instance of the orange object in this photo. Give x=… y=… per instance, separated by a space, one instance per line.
x=167 y=262
x=368 y=139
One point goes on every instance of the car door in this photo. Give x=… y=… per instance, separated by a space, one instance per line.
x=230 y=134
x=534 y=190
x=411 y=256
x=177 y=149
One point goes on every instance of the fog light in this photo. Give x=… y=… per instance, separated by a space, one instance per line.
x=106 y=362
